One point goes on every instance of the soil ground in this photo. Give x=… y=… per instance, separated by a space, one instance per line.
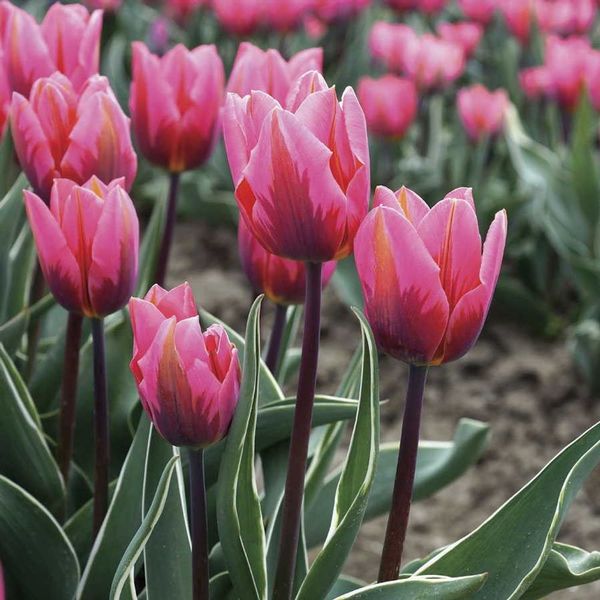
x=526 y=389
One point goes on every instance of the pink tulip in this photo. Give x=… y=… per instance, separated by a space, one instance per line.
x=536 y=82
x=426 y=282
x=267 y=71
x=390 y=104
x=188 y=380
x=59 y=134
x=175 y=103
x=481 y=111
x=87 y=243
x=181 y=10
x=481 y=11
x=241 y=18
x=334 y=10
x=388 y=43
x=566 y=17
x=518 y=16
x=427 y=6
x=466 y=35
x=288 y=15
x=282 y=280
x=107 y=5
x=301 y=174
x=68 y=40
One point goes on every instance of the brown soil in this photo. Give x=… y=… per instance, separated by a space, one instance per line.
x=525 y=388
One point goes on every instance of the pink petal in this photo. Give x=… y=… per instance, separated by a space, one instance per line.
x=189 y=342
x=310 y=83
x=462 y=193
x=413 y=207
x=451 y=234
x=56 y=259
x=178 y=302
x=310 y=59
x=404 y=301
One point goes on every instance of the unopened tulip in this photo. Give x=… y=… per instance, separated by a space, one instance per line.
x=267 y=71
x=286 y=16
x=241 y=18
x=180 y=10
x=390 y=104
x=536 y=82
x=87 y=243
x=188 y=380
x=426 y=281
x=466 y=35
x=282 y=280
x=481 y=111
x=68 y=41
x=388 y=43
x=60 y=134
x=481 y=11
x=301 y=173
x=518 y=16
x=175 y=102
x=566 y=17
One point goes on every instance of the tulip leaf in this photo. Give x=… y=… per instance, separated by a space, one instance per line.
x=220 y=586
x=514 y=543
x=565 y=567
x=438 y=464
x=138 y=543
x=121 y=523
x=356 y=479
x=269 y=389
x=239 y=515
x=344 y=585
x=24 y=454
x=150 y=247
x=168 y=574
x=421 y=588
x=34 y=550
x=346 y=282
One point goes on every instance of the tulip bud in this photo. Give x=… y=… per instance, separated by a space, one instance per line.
x=286 y=16
x=267 y=71
x=175 y=103
x=301 y=175
x=240 y=18
x=388 y=43
x=180 y=10
x=336 y=10
x=188 y=380
x=59 y=134
x=518 y=16
x=481 y=11
x=481 y=111
x=68 y=41
x=465 y=35
x=283 y=281
x=427 y=283
x=87 y=243
x=390 y=104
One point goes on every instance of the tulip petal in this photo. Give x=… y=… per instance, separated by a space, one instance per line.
x=310 y=59
x=178 y=302
x=189 y=342
x=404 y=301
x=462 y=193
x=468 y=317
x=413 y=207
x=56 y=259
x=113 y=269
x=288 y=196
x=451 y=234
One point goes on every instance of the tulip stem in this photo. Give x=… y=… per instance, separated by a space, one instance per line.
x=101 y=426
x=200 y=573
x=167 y=239
x=405 y=476
x=294 y=485
x=274 y=349
x=66 y=426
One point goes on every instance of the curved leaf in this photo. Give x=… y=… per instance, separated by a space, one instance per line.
x=355 y=481
x=238 y=507
x=514 y=543
x=33 y=548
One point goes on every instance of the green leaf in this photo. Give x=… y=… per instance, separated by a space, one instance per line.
x=344 y=585
x=566 y=566
x=24 y=455
x=219 y=586
x=238 y=507
x=121 y=523
x=150 y=247
x=438 y=464
x=9 y=166
x=168 y=552
x=34 y=551
x=355 y=482
x=12 y=330
x=514 y=543
x=138 y=543
x=421 y=588
x=346 y=282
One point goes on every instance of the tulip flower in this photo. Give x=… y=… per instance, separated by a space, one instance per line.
x=566 y=17
x=286 y=16
x=481 y=111
x=536 y=82
x=188 y=380
x=175 y=102
x=282 y=280
x=68 y=41
x=87 y=243
x=301 y=174
x=107 y=5
x=430 y=7
x=390 y=104
x=388 y=43
x=481 y=11
x=267 y=71
x=60 y=134
x=426 y=281
x=334 y=10
x=180 y=10
x=466 y=35
x=240 y=18
x=518 y=16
